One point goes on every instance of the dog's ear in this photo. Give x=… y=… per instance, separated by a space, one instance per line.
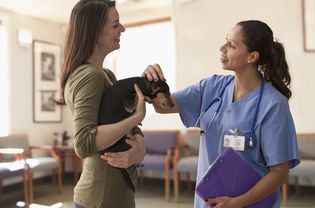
x=164 y=86
x=155 y=89
x=160 y=86
x=147 y=87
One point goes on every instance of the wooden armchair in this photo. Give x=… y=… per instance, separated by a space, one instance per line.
x=160 y=148
x=186 y=161
x=50 y=163
x=15 y=168
x=306 y=169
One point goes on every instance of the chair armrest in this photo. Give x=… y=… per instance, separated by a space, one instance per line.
x=172 y=154
x=176 y=155
x=171 y=149
x=17 y=152
x=48 y=148
x=181 y=151
x=169 y=152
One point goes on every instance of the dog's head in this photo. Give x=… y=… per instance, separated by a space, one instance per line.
x=159 y=93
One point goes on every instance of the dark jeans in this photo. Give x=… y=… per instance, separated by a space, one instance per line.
x=76 y=205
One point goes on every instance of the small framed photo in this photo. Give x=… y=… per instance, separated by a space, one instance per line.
x=46 y=76
x=308 y=12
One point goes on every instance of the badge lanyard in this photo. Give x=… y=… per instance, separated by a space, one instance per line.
x=219 y=99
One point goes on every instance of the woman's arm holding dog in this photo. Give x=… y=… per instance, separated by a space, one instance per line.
x=132 y=156
x=109 y=134
x=154 y=72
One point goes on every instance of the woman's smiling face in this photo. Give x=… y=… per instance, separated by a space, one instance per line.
x=110 y=36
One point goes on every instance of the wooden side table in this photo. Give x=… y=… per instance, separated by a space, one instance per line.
x=68 y=151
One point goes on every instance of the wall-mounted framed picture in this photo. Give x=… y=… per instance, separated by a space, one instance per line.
x=46 y=82
x=308 y=16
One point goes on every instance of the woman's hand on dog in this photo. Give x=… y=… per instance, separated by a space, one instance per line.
x=154 y=72
x=140 y=108
x=127 y=158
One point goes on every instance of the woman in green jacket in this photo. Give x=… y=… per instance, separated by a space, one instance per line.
x=94 y=31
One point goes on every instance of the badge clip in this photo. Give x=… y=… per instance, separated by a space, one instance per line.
x=234 y=132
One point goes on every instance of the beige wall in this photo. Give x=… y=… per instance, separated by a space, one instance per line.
x=21 y=76
x=153 y=120
x=202 y=25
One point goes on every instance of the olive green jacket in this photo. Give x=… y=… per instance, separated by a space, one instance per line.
x=100 y=184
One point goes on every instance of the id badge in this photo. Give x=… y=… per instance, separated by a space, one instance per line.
x=234 y=141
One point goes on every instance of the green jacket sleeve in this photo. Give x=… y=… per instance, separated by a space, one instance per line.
x=86 y=89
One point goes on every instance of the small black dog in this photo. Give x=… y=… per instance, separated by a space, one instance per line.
x=119 y=102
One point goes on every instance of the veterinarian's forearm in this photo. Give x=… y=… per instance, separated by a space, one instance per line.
x=276 y=177
x=109 y=134
x=174 y=109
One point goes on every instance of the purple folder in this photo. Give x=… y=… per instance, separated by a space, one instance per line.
x=230 y=175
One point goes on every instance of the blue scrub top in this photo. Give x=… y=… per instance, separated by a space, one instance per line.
x=274 y=132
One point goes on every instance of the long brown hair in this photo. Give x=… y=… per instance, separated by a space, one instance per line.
x=259 y=37
x=86 y=22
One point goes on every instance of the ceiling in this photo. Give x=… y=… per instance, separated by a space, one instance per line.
x=59 y=10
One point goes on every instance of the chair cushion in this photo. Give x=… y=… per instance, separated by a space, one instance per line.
x=305 y=168
x=187 y=164
x=42 y=163
x=306 y=145
x=154 y=162
x=159 y=142
x=11 y=169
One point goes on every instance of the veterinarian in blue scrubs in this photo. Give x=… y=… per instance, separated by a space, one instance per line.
x=248 y=111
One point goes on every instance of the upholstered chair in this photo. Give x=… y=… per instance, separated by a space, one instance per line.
x=186 y=161
x=15 y=168
x=49 y=163
x=160 y=148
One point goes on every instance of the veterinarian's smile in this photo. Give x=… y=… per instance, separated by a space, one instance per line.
x=223 y=59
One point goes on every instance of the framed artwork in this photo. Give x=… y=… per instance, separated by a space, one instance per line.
x=46 y=82
x=308 y=12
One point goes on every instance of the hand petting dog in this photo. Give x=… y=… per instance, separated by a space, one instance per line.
x=154 y=72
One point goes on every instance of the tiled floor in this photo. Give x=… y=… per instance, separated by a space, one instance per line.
x=151 y=195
